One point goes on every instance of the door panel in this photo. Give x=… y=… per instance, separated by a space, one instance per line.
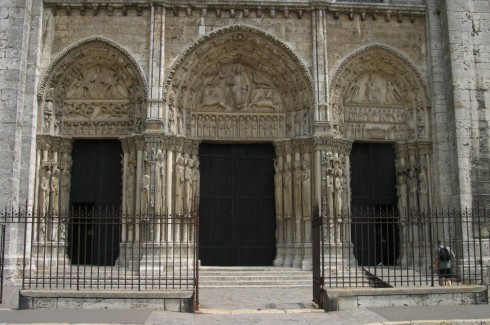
x=373 y=185
x=96 y=191
x=237 y=205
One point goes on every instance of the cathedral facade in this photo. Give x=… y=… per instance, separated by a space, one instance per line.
x=170 y=101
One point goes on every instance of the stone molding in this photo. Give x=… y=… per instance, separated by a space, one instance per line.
x=260 y=8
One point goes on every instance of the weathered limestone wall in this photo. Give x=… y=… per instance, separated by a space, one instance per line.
x=19 y=47
x=129 y=28
x=467 y=56
x=346 y=34
x=443 y=169
x=183 y=29
x=19 y=31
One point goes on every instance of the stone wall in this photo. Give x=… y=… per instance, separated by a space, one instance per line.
x=467 y=55
x=346 y=33
x=130 y=29
x=183 y=29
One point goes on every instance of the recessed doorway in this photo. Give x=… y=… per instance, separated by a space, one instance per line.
x=236 y=208
x=373 y=183
x=94 y=227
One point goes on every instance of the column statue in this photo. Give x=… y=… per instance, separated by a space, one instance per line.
x=287 y=190
x=179 y=186
x=423 y=192
x=278 y=198
x=160 y=183
x=412 y=192
x=188 y=176
x=306 y=198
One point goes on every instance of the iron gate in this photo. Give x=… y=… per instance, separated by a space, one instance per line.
x=2 y=258
x=376 y=247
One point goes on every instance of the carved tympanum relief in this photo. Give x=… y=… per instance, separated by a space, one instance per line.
x=93 y=88
x=238 y=88
x=239 y=83
x=378 y=94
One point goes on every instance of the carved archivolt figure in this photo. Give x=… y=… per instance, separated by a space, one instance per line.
x=288 y=197
x=306 y=180
x=48 y=111
x=179 y=186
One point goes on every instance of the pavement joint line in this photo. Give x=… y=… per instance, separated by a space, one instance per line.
x=257 y=311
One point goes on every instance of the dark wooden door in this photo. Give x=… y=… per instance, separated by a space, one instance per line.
x=236 y=208
x=373 y=184
x=94 y=232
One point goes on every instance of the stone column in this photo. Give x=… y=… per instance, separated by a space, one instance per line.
x=334 y=162
x=279 y=204
x=156 y=56
x=297 y=208
x=288 y=206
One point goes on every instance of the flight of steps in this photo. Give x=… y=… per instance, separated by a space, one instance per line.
x=250 y=277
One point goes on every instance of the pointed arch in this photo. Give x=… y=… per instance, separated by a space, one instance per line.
x=408 y=64
x=75 y=51
x=377 y=93
x=93 y=87
x=241 y=42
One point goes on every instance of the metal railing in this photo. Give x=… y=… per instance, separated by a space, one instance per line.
x=106 y=250
x=2 y=258
x=377 y=247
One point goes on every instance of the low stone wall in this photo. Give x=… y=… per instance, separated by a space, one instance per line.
x=338 y=299
x=180 y=301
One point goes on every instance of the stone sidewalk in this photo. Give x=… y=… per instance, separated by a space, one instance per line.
x=257 y=306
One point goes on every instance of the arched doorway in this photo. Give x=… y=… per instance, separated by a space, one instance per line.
x=91 y=100
x=380 y=100
x=240 y=86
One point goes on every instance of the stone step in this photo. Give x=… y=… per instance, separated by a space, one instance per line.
x=278 y=277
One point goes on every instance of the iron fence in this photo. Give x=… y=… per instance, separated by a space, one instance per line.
x=2 y=258
x=377 y=247
x=89 y=249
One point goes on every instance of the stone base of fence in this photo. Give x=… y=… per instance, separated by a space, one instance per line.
x=176 y=300
x=339 y=299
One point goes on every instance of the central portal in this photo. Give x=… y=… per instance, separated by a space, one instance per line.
x=236 y=205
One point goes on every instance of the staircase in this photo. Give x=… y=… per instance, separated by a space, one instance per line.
x=253 y=277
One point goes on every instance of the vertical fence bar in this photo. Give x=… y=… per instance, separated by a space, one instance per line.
x=2 y=259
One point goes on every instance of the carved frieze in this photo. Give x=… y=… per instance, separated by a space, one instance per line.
x=237 y=126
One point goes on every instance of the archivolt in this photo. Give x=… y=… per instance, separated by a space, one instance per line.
x=407 y=65
x=69 y=55
x=191 y=62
